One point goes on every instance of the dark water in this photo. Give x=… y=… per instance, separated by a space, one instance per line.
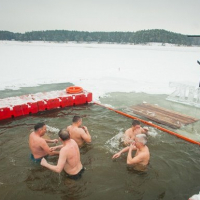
x=173 y=173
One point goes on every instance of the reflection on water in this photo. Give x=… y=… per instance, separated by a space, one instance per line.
x=172 y=173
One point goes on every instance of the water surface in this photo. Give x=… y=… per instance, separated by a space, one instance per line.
x=172 y=173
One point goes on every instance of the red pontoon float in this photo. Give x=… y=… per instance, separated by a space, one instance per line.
x=33 y=103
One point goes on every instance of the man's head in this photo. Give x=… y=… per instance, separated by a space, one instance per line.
x=141 y=139
x=64 y=134
x=77 y=119
x=40 y=128
x=135 y=124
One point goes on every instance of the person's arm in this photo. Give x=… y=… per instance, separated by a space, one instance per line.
x=136 y=159
x=86 y=135
x=145 y=130
x=117 y=155
x=60 y=165
x=47 y=149
x=56 y=147
x=52 y=141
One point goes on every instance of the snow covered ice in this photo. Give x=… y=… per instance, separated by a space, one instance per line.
x=99 y=68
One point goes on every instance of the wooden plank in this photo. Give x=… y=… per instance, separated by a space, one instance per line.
x=183 y=119
x=162 y=115
x=171 y=113
x=159 y=118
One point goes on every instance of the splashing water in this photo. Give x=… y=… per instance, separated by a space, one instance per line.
x=52 y=129
x=113 y=144
x=152 y=132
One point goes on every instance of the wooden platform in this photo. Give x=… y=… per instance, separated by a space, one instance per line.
x=163 y=116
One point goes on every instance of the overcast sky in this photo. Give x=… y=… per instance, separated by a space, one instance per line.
x=180 y=16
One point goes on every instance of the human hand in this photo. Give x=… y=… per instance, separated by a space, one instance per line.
x=84 y=128
x=126 y=142
x=53 y=148
x=55 y=141
x=117 y=155
x=43 y=162
x=132 y=146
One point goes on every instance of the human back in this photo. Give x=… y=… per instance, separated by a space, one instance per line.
x=75 y=134
x=69 y=157
x=80 y=134
x=73 y=163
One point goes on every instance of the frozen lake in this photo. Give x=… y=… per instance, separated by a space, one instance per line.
x=100 y=68
x=119 y=76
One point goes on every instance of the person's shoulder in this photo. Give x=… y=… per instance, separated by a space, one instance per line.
x=34 y=137
x=31 y=135
x=73 y=142
x=128 y=130
x=143 y=154
x=80 y=131
x=64 y=151
x=146 y=149
x=68 y=127
x=40 y=140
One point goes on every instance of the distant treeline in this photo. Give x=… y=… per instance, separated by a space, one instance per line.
x=139 y=37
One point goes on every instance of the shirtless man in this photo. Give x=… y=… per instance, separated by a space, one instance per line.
x=78 y=133
x=129 y=135
x=38 y=145
x=69 y=157
x=142 y=154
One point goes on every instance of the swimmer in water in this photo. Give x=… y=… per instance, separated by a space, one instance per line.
x=69 y=157
x=80 y=134
x=38 y=145
x=142 y=155
x=129 y=135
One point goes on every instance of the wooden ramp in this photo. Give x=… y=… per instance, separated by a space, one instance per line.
x=163 y=116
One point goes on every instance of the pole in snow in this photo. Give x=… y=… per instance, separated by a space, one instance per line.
x=199 y=64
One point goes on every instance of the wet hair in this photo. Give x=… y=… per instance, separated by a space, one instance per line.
x=142 y=138
x=135 y=122
x=64 y=134
x=39 y=125
x=76 y=119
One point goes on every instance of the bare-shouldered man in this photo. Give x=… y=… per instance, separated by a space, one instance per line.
x=80 y=134
x=38 y=145
x=142 y=155
x=69 y=157
x=129 y=135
